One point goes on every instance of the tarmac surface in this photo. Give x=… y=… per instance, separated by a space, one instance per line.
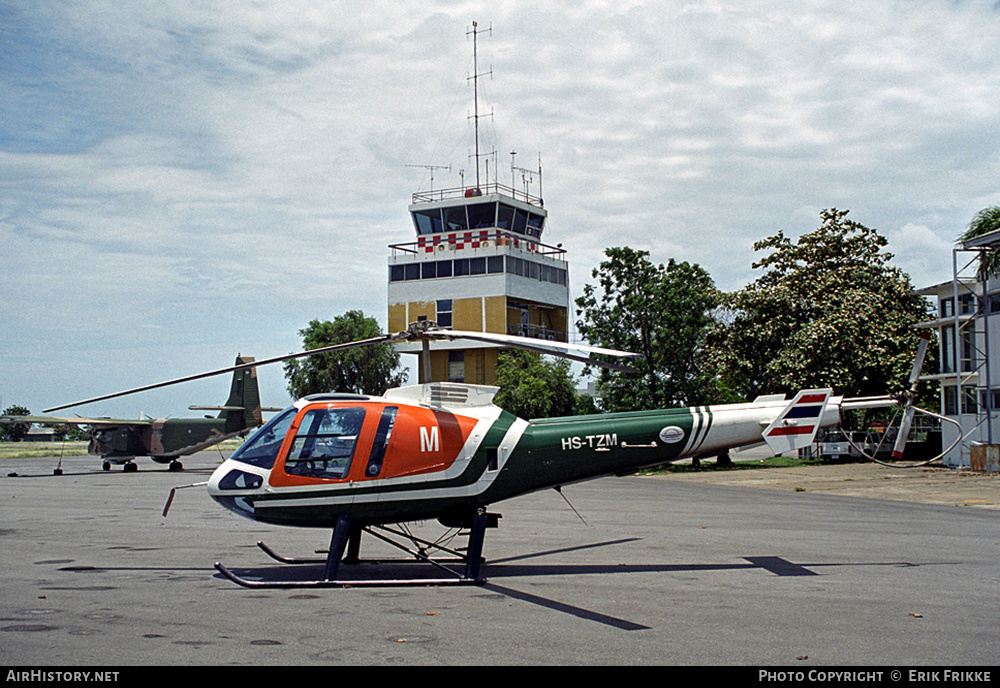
x=838 y=565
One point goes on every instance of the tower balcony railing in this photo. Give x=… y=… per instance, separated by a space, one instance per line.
x=475 y=192
x=477 y=240
x=536 y=332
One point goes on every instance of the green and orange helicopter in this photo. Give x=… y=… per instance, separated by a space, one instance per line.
x=367 y=464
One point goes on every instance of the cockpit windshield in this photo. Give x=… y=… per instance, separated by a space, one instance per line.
x=262 y=448
x=324 y=444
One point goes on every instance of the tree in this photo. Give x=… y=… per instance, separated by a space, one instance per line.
x=362 y=370
x=985 y=221
x=828 y=311
x=14 y=432
x=533 y=386
x=662 y=313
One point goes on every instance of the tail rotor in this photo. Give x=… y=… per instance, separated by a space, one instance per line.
x=904 y=401
x=907 y=397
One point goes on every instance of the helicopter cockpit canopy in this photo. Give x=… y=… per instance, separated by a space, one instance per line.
x=262 y=448
x=324 y=443
x=326 y=437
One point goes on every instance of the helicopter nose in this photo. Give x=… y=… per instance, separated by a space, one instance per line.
x=233 y=488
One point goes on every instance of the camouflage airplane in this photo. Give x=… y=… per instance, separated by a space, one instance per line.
x=445 y=451
x=164 y=440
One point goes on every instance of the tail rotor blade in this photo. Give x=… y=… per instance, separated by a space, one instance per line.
x=909 y=396
x=919 y=361
x=904 y=430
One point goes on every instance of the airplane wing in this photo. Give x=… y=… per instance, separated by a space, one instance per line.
x=54 y=420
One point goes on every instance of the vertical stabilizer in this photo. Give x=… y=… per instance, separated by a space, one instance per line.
x=796 y=426
x=243 y=408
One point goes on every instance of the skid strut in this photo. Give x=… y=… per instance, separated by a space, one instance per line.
x=346 y=538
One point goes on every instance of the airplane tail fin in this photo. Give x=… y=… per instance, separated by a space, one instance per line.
x=243 y=408
x=796 y=426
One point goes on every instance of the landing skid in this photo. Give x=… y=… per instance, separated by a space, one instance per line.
x=347 y=538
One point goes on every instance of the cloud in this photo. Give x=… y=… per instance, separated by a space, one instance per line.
x=919 y=251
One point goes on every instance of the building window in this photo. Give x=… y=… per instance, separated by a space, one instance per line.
x=463 y=267
x=969 y=405
x=428 y=221
x=966 y=304
x=455 y=219
x=947 y=308
x=456 y=366
x=444 y=313
x=994 y=303
x=989 y=400
x=482 y=215
x=967 y=360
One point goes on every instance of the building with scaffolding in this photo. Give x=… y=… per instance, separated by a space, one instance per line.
x=968 y=329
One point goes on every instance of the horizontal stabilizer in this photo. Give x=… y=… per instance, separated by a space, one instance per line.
x=796 y=426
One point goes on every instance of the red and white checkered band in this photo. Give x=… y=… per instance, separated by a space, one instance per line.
x=472 y=239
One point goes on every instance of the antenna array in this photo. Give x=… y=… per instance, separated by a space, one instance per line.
x=475 y=87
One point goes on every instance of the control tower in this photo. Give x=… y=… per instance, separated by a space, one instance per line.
x=477 y=263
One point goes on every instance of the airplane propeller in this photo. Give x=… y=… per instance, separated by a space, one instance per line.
x=423 y=331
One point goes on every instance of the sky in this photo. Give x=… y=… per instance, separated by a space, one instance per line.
x=181 y=181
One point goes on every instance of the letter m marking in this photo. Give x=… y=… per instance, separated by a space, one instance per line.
x=429 y=439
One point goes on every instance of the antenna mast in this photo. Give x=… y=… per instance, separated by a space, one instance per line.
x=431 y=168
x=475 y=85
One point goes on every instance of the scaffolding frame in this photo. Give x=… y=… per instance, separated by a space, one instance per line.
x=978 y=379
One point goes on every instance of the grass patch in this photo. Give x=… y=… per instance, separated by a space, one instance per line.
x=31 y=450
x=711 y=465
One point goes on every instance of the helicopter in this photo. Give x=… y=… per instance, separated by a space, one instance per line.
x=444 y=451
x=165 y=440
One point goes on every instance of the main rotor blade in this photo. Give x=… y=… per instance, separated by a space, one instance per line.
x=231 y=369
x=545 y=346
x=571 y=351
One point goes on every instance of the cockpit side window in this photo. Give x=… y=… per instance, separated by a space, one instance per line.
x=324 y=444
x=382 y=435
x=262 y=448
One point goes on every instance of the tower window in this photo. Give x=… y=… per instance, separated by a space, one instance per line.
x=428 y=221
x=444 y=313
x=456 y=366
